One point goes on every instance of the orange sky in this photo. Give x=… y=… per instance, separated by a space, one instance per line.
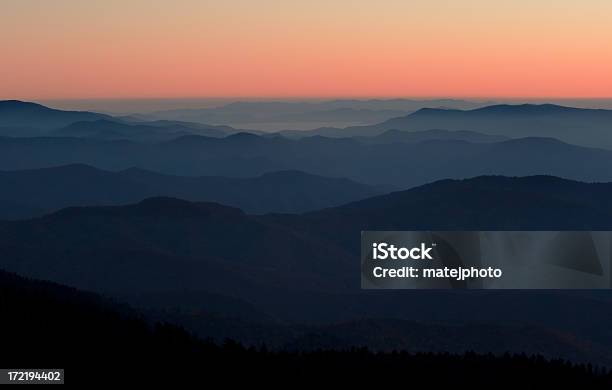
x=314 y=48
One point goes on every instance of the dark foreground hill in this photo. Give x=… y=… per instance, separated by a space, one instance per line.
x=29 y=193
x=82 y=332
x=172 y=255
x=403 y=164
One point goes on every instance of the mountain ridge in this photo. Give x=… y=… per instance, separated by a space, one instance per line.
x=579 y=126
x=16 y=113
x=116 y=130
x=29 y=119
x=248 y=155
x=47 y=189
x=163 y=245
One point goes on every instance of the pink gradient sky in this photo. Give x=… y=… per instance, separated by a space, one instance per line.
x=65 y=49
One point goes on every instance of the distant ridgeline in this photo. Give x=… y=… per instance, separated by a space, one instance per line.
x=422 y=147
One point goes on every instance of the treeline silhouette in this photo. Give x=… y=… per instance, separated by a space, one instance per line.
x=45 y=325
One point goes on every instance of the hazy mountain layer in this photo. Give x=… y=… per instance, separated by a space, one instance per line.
x=24 y=119
x=25 y=115
x=153 y=132
x=403 y=164
x=587 y=127
x=280 y=115
x=30 y=193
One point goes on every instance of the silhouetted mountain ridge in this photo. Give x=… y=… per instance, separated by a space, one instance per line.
x=15 y=113
x=394 y=135
x=34 y=192
x=404 y=164
x=579 y=126
x=110 y=130
x=25 y=119
x=281 y=115
x=484 y=203
x=155 y=207
x=163 y=245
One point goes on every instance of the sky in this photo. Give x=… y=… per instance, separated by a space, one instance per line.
x=74 y=49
